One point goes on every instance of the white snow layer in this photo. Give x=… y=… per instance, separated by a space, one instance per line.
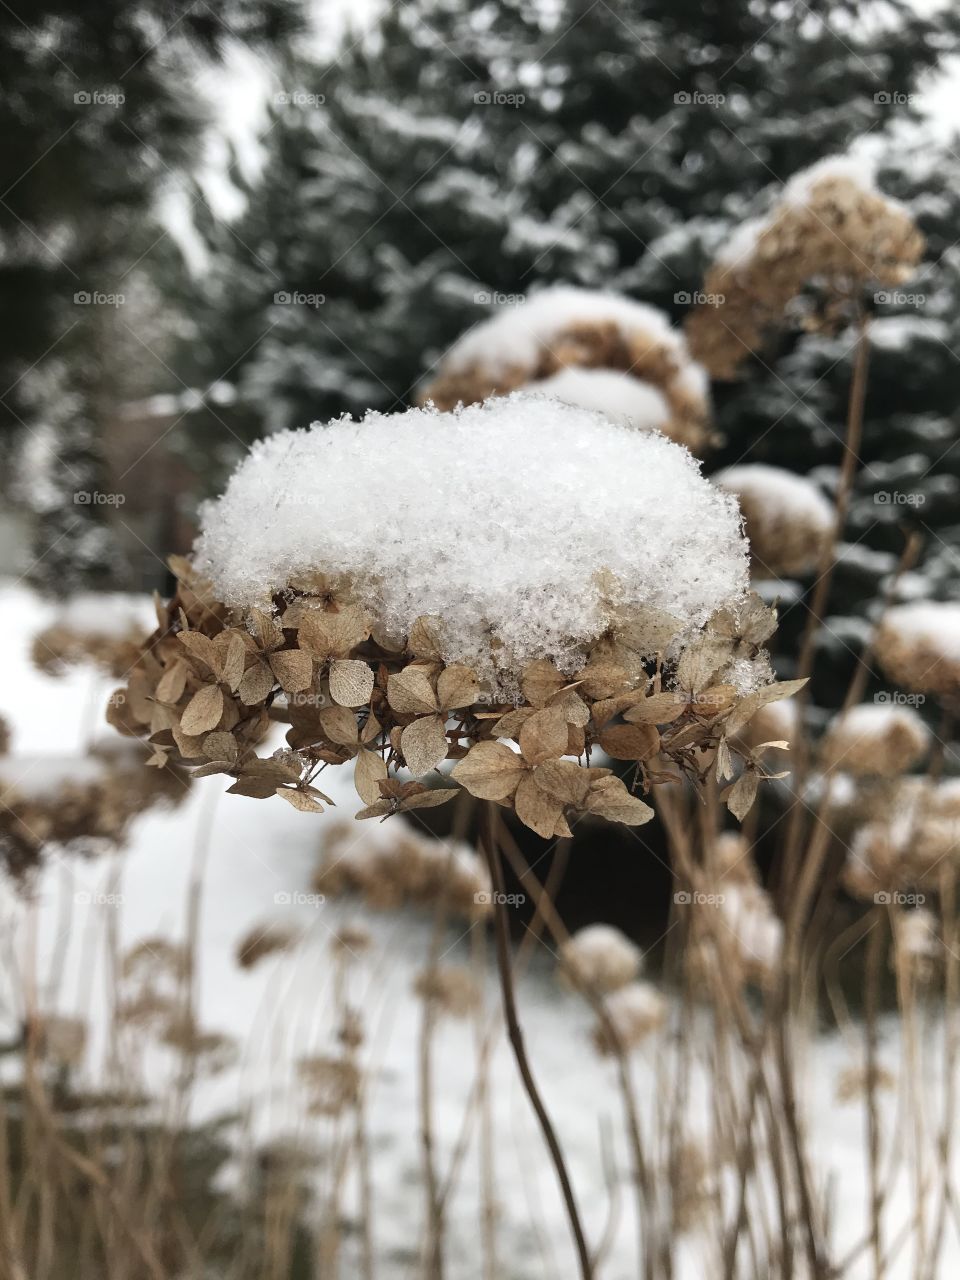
x=787 y=496
x=498 y=519
x=608 y=391
x=516 y=335
x=933 y=623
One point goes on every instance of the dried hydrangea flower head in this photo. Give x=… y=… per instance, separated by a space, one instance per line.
x=830 y=227
x=87 y=801
x=918 y=647
x=632 y=1013
x=912 y=844
x=550 y=585
x=591 y=349
x=450 y=989
x=395 y=864
x=789 y=523
x=599 y=958
x=735 y=933
x=264 y=939
x=875 y=738
x=104 y=629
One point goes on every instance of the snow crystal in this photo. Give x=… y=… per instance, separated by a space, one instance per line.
x=788 y=496
x=616 y=394
x=516 y=334
x=511 y=519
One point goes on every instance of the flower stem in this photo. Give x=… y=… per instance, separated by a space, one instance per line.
x=491 y=851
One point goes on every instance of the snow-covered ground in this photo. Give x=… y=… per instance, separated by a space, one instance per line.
x=254 y=858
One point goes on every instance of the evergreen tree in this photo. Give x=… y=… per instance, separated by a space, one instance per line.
x=98 y=120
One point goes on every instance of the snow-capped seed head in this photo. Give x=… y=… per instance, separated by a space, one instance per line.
x=522 y=524
x=633 y=1012
x=599 y=958
x=876 y=738
x=918 y=646
x=789 y=523
x=731 y=858
x=831 y=224
x=562 y=333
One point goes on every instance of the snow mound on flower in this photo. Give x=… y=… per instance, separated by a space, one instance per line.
x=933 y=623
x=515 y=335
x=786 y=495
x=607 y=391
x=521 y=520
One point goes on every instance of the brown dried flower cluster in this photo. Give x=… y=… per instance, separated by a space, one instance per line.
x=59 y=647
x=830 y=227
x=207 y=686
x=650 y=356
x=736 y=936
x=86 y=801
x=599 y=958
x=912 y=843
x=877 y=739
x=631 y=1013
x=788 y=522
x=917 y=647
x=396 y=865
x=451 y=990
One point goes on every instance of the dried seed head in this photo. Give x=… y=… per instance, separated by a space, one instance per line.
x=918 y=647
x=789 y=523
x=599 y=351
x=451 y=989
x=875 y=738
x=831 y=226
x=633 y=1012
x=263 y=940
x=332 y=1084
x=599 y=958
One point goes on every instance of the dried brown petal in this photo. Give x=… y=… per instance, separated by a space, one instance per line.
x=429 y=799
x=351 y=682
x=370 y=771
x=630 y=741
x=256 y=684
x=540 y=681
x=457 y=686
x=489 y=771
x=299 y=800
x=537 y=809
x=544 y=736
x=203 y=711
x=741 y=795
x=172 y=683
x=293 y=669
x=610 y=799
x=202 y=649
x=424 y=639
x=410 y=692
x=424 y=744
x=339 y=724
x=220 y=746
x=659 y=708
x=566 y=781
x=752 y=703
